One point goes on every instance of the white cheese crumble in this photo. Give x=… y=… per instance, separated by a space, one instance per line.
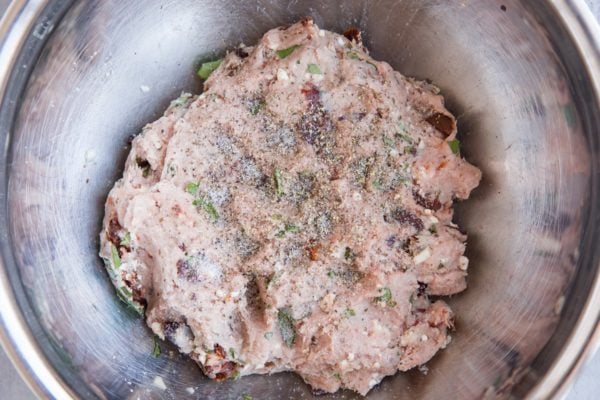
x=463 y=263
x=422 y=256
x=282 y=75
x=190 y=390
x=145 y=88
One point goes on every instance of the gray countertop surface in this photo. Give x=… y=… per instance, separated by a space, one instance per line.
x=586 y=387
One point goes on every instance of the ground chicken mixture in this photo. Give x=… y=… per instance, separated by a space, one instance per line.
x=295 y=216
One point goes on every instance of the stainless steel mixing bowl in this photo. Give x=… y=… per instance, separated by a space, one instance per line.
x=78 y=78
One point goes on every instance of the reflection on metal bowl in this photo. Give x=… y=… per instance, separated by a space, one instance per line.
x=79 y=78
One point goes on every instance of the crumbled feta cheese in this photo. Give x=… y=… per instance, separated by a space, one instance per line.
x=424 y=338
x=321 y=33
x=220 y=293
x=145 y=88
x=282 y=75
x=190 y=390
x=463 y=263
x=422 y=256
x=157 y=329
x=356 y=196
x=350 y=356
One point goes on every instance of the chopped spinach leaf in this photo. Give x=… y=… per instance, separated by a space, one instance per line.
x=206 y=205
x=314 y=69
x=286 y=52
x=286 y=326
x=126 y=240
x=349 y=312
x=156 y=350
x=192 y=188
x=278 y=180
x=454 y=146
x=385 y=296
x=116 y=258
x=208 y=68
x=288 y=228
x=181 y=100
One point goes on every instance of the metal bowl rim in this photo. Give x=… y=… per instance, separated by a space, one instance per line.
x=28 y=358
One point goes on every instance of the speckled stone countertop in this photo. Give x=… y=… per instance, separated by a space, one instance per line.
x=587 y=385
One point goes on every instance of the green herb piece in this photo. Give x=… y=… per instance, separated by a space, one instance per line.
x=116 y=258
x=454 y=146
x=378 y=184
x=288 y=228
x=208 y=68
x=401 y=128
x=181 y=100
x=207 y=206
x=286 y=52
x=331 y=273
x=156 y=350
x=268 y=335
x=286 y=326
x=349 y=313
x=277 y=217
x=257 y=105
x=371 y=64
x=355 y=56
x=349 y=254
x=126 y=241
x=236 y=375
x=192 y=188
x=314 y=69
x=337 y=376
x=247 y=397
x=278 y=180
x=405 y=137
x=232 y=352
x=388 y=141
x=125 y=295
x=385 y=296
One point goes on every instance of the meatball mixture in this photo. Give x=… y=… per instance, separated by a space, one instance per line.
x=295 y=216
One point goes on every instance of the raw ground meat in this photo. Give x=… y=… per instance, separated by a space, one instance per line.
x=295 y=216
